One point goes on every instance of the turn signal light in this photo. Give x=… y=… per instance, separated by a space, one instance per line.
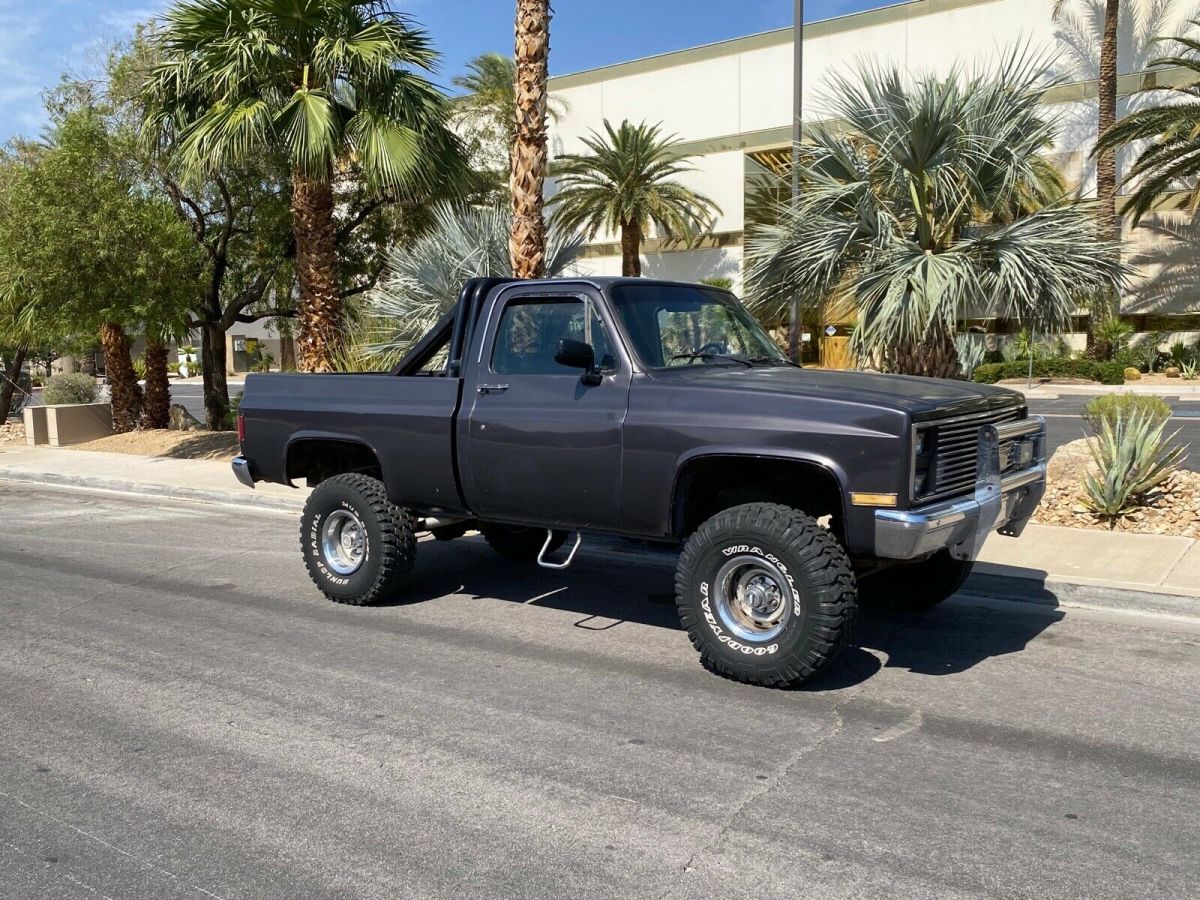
x=873 y=499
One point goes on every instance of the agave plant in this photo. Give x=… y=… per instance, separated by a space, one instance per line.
x=1131 y=457
x=930 y=201
x=422 y=282
x=971 y=352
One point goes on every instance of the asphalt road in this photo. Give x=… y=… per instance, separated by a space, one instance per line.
x=182 y=715
x=1063 y=421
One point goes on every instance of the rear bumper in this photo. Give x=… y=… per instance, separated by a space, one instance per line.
x=242 y=469
x=1001 y=504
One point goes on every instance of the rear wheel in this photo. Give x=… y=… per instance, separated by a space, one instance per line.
x=766 y=594
x=358 y=546
x=916 y=587
x=519 y=543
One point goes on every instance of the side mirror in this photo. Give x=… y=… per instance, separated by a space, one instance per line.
x=578 y=355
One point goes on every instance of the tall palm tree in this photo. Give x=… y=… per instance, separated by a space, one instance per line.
x=1106 y=159
x=325 y=85
x=1172 y=159
x=527 y=173
x=927 y=203
x=626 y=184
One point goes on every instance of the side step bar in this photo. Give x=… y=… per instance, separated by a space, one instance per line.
x=546 y=564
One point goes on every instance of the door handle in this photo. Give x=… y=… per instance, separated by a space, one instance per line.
x=492 y=388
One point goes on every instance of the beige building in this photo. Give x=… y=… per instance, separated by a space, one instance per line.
x=731 y=105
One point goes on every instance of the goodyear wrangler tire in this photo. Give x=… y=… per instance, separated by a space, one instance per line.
x=359 y=547
x=766 y=594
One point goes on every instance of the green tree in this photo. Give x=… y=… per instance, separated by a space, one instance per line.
x=626 y=185
x=1171 y=161
x=326 y=86
x=928 y=202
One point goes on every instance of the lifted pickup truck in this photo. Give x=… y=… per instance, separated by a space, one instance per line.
x=539 y=411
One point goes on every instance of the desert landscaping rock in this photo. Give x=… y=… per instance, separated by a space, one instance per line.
x=1173 y=508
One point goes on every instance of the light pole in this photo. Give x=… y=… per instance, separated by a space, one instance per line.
x=796 y=324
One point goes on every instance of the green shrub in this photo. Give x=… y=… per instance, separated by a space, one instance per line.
x=139 y=367
x=264 y=363
x=1131 y=457
x=71 y=388
x=1052 y=367
x=1132 y=374
x=1112 y=408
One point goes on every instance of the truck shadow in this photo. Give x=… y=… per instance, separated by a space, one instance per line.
x=611 y=589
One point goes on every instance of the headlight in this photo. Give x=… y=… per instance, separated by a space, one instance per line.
x=923 y=444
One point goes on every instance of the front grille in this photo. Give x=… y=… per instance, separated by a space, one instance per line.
x=955 y=444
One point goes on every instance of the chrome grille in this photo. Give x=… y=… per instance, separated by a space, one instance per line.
x=955 y=449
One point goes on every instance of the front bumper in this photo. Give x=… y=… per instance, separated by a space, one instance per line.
x=1001 y=503
x=243 y=471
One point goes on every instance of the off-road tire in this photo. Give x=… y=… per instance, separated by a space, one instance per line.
x=390 y=546
x=916 y=587
x=519 y=543
x=819 y=624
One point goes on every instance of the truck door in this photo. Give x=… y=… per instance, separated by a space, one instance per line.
x=540 y=445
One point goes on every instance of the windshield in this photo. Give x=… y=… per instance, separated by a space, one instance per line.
x=681 y=325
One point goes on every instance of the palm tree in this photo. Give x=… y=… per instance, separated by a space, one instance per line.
x=327 y=86
x=527 y=173
x=929 y=202
x=422 y=281
x=1172 y=159
x=625 y=184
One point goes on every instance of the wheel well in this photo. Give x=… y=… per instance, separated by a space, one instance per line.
x=316 y=459
x=710 y=484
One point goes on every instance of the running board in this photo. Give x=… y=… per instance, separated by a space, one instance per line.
x=546 y=564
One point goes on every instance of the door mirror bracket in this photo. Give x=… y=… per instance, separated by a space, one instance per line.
x=578 y=355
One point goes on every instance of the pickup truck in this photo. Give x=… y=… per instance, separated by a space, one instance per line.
x=538 y=412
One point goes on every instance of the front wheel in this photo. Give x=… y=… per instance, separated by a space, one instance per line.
x=359 y=546
x=766 y=594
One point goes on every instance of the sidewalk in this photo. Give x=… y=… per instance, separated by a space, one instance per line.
x=1185 y=390
x=1063 y=561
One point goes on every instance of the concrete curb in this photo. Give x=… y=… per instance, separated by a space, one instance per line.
x=154 y=491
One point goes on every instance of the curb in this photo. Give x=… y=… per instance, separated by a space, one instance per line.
x=154 y=491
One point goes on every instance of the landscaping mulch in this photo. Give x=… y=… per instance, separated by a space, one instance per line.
x=196 y=444
x=12 y=433
x=1172 y=508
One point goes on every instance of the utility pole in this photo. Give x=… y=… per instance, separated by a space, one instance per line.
x=796 y=325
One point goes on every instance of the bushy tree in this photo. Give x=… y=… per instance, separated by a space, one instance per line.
x=930 y=201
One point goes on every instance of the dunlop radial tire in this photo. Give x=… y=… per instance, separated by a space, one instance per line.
x=390 y=541
x=826 y=597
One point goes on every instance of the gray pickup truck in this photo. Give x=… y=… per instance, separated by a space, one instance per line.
x=538 y=412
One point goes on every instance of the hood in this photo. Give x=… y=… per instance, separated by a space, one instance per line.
x=920 y=397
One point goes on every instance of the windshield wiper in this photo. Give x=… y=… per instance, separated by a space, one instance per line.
x=723 y=357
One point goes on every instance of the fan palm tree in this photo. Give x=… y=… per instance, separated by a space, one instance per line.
x=423 y=281
x=325 y=85
x=926 y=204
x=1172 y=159
x=626 y=185
x=527 y=171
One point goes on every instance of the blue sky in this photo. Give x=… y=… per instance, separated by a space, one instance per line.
x=40 y=39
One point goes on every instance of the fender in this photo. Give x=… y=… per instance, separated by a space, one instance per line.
x=718 y=451
x=313 y=434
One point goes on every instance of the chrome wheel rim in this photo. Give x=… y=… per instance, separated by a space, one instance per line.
x=344 y=542
x=753 y=598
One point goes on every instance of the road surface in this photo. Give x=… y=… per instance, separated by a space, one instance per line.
x=183 y=716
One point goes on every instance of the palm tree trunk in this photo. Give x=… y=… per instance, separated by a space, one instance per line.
x=631 y=250
x=287 y=347
x=12 y=375
x=156 y=410
x=527 y=241
x=1106 y=161
x=316 y=267
x=934 y=357
x=122 y=380
x=213 y=362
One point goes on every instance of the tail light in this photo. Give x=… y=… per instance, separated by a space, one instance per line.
x=241 y=427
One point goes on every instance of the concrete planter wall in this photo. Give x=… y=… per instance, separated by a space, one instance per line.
x=72 y=423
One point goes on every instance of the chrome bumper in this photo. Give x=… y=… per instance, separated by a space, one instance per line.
x=1000 y=503
x=241 y=468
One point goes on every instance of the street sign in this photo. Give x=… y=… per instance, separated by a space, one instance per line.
x=830 y=330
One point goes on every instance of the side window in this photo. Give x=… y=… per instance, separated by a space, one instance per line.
x=529 y=331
